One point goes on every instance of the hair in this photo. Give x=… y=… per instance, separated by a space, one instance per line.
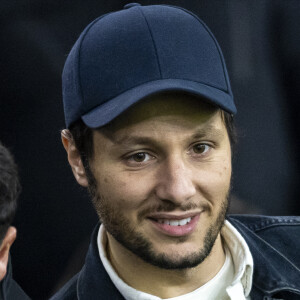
x=83 y=137
x=10 y=189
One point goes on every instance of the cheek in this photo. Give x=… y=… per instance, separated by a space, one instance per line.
x=123 y=190
x=215 y=181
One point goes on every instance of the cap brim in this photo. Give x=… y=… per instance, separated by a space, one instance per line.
x=104 y=113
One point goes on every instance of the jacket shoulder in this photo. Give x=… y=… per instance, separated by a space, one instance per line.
x=68 y=291
x=278 y=233
x=258 y=223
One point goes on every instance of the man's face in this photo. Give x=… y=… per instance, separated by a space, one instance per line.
x=162 y=175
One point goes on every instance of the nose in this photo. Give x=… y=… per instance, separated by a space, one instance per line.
x=175 y=181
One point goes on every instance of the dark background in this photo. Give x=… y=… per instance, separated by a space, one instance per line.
x=260 y=42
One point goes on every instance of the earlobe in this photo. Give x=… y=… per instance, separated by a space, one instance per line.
x=74 y=158
x=8 y=240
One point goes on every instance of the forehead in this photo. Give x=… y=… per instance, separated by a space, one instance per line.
x=181 y=108
x=164 y=120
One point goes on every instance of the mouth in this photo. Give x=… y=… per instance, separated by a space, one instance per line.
x=175 y=225
x=171 y=222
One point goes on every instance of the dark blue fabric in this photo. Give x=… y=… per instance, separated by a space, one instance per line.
x=108 y=110
x=276 y=269
x=120 y=57
x=274 y=243
x=9 y=289
x=186 y=50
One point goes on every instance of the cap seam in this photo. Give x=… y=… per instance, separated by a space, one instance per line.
x=213 y=38
x=154 y=44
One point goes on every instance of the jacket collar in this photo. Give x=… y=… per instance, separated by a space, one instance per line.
x=273 y=272
x=92 y=273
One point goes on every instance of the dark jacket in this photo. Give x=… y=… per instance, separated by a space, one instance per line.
x=273 y=241
x=9 y=289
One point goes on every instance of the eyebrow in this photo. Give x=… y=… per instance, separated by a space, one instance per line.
x=128 y=141
x=209 y=132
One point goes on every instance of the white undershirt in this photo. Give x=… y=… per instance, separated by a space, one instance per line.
x=233 y=281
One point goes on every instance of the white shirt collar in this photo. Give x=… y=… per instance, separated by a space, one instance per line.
x=242 y=259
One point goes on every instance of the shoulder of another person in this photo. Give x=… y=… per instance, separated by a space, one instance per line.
x=15 y=292
x=9 y=288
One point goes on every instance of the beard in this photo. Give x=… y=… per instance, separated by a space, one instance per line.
x=120 y=227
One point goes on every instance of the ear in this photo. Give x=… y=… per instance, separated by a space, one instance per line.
x=8 y=240
x=74 y=158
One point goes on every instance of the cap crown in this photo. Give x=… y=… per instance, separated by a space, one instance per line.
x=142 y=47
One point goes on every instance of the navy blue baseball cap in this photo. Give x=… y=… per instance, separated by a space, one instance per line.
x=122 y=57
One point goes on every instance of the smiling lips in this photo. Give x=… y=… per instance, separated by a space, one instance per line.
x=175 y=222
x=175 y=226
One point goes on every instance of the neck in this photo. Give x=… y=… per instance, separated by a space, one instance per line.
x=160 y=282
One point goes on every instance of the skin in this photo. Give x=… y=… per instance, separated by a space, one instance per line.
x=164 y=158
x=8 y=240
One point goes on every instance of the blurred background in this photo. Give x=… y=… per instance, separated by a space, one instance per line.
x=260 y=41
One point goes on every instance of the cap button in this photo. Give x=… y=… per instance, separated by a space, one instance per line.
x=129 y=5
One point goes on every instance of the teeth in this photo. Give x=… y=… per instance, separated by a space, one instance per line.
x=184 y=221
x=175 y=222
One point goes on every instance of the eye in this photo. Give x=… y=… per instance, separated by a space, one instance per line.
x=201 y=148
x=139 y=158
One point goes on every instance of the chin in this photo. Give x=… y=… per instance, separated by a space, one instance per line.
x=173 y=262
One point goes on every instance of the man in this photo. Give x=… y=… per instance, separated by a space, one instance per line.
x=148 y=107
x=9 y=191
